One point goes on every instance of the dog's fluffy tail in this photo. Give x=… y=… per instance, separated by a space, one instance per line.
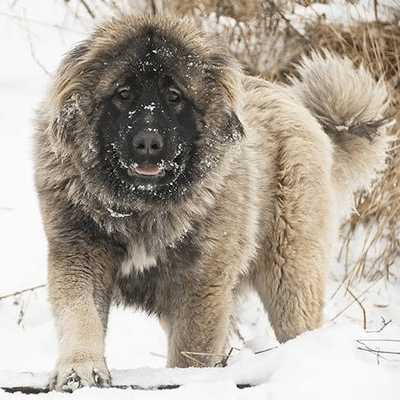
x=349 y=104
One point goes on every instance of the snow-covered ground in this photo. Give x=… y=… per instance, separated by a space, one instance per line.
x=325 y=364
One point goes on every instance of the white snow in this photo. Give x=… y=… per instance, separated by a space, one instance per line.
x=115 y=214
x=323 y=364
x=151 y=107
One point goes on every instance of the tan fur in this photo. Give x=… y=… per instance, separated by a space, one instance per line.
x=346 y=103
x=266 y=212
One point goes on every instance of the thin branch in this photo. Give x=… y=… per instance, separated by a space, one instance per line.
x=224 y=361
x=362 y=308
x=266 y=350
x=224 y=357
x=33 y=54
x=349 y=305
x=378 y=340
x=153 y=7
x=379 y=352
x=384 y=325
x=42 y=23
x=288 y=23
x=376 y=10
x=22 y=291
x=191 y=355
x=88 y=9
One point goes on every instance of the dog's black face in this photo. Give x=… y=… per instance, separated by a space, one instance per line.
x=147 y=134
x=148 y=131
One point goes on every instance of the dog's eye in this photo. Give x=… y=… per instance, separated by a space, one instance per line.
x=173 y=95
x=124 y=93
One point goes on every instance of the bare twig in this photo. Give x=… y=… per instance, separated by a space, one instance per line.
x=288 y=23
x=155 y=354
x=235 y=329
x=224 y=357
x=22 y=291
x=42 y=23
x=379 y=340
x=362 y=308
x=349 y=305
x=88 y=9
x=33 y=54
x=378 y=356
x=377 y=351
x=376 y=10
x=224 y=361
x=153 y=7
x=192 y=355
x=266 y=350
x=22 y=303
x=384 y=325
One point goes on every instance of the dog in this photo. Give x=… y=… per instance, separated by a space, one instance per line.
x=169 y=179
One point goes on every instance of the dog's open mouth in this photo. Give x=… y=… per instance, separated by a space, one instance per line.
x=146 y=170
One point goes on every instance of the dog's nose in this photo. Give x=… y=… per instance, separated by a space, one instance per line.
x=148 y=141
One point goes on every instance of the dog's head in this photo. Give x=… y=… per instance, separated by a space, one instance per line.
x=147 y=109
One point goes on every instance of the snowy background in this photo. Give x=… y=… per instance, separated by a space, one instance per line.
x=342 y=360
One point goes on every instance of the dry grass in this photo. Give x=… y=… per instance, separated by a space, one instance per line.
x=260 y=33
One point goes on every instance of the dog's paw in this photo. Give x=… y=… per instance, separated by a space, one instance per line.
x=68 y=377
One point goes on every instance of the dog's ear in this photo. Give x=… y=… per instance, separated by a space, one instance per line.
x=70 y=104
x=228 y=73
x=68 y=118
x=67 y=121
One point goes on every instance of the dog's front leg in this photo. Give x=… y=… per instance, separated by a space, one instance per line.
x=198 y=325
x=80 y=301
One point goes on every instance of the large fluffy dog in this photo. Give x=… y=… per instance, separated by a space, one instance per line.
x=168 y=179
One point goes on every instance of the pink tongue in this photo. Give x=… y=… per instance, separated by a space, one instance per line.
x=151 y=171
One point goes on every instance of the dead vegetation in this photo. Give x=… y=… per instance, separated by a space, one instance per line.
x=268 y=36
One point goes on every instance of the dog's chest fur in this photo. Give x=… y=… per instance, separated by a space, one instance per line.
x=137 y=259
